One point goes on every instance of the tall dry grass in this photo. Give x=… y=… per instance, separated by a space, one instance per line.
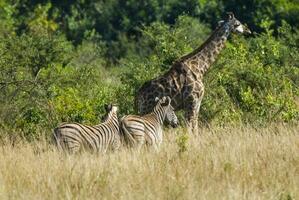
x=221 y=163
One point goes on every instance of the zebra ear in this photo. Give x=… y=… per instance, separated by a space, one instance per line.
x=107 y=107
x=157 y=99
x=167 y=100
x=114 y=107
x=102 y=118
x=230 y=15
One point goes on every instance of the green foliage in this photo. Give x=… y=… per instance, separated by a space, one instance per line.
x=55 y=62
x=170 y=42
x=120 y=21
x=254 y=81
x=70 y=107
x=6 y=18
x=159 y=46
x=23 y=62
x=44 y=81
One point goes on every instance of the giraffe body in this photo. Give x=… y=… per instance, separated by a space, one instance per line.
x=184 y=81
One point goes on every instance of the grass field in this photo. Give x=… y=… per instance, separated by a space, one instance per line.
x=221 y=163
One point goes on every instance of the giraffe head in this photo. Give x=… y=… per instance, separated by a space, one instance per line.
x=232 y=24
x=170 y=116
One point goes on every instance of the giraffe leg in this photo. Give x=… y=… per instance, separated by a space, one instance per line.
x=191 y=115
x=192 y=106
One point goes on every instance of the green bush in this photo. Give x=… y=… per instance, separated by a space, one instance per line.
x=254 y=80
x=158 y=47
x=55 y=62
x=24 y=59
x=7 y=20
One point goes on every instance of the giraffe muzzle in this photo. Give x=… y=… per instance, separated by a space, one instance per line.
x=247 y=30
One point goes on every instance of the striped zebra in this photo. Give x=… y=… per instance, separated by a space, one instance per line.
x=137 y=130
x=74 y=137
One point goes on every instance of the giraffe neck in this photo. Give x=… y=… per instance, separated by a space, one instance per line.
x=204 y=56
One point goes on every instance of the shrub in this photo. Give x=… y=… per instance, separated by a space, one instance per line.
x=254 y=80
x=55 y=62
x=159 y=46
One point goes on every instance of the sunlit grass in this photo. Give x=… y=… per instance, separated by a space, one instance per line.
x=220 y=163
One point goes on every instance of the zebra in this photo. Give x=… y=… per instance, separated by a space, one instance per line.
x=74 y=137
x=137 y=130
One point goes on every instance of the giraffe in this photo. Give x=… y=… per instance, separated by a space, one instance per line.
x=184 y=81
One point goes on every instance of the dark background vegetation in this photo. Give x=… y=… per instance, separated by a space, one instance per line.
x=62 y=60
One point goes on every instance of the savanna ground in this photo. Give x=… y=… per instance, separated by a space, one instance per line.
x=221 y=163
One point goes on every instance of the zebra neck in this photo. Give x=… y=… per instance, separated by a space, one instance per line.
x=114 y=122
x=160 y=115
x=112 y=119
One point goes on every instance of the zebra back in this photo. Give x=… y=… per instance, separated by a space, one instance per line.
x=74 y=136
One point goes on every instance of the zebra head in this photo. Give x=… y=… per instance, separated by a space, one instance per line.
x=111 y=110
x=169 y=115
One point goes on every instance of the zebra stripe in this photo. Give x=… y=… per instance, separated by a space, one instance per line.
x=137 y=130
x=73 y=137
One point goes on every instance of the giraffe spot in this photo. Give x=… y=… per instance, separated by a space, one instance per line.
x=193 y=62
x=201 y=57
x=201 y=62
x=173 y=93
x=189 y=79
x=196 y=70
x=148 y=90
x=163 y=81
x=197 y=85
x=182 y=79
x=157 y=94
x=169 y=91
